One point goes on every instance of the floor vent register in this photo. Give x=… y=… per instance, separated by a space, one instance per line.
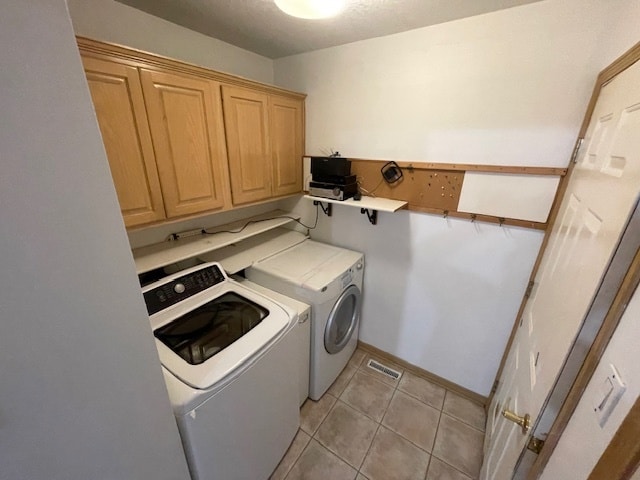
x=389 y=372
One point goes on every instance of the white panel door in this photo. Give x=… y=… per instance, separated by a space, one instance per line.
x=599 y=199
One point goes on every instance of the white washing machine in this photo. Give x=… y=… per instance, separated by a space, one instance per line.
x=226 y=355
x=329 y=279
x=301 y=333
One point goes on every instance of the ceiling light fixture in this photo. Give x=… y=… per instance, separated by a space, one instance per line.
x=311 y=9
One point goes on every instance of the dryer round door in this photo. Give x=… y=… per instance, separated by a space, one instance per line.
x=342 y=320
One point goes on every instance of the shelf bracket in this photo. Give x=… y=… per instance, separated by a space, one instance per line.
x=326 y=210
x=372 y=215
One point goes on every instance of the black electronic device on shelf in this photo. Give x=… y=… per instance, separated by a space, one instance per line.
x=330 y=169
x=331 y=178
x=334 y=191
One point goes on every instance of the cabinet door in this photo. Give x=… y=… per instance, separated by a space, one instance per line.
x=186 y=126
x=119 y=105
x=287 y=143
x=246 y=124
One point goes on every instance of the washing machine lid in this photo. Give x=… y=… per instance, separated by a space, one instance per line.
x=312 y=265
x=226 y=364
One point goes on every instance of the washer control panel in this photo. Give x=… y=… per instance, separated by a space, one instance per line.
x=181 y=288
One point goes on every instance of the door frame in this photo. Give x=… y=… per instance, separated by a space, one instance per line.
x=621 y=458
x=609 y=325
x=627 y=288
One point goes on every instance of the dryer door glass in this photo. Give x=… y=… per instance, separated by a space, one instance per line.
x=342 y=320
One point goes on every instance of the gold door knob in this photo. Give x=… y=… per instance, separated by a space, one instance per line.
x=524 y=422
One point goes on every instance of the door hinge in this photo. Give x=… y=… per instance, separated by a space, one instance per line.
x=576 y=149
x=494 y=388
x=527 y=292
x=535 y=444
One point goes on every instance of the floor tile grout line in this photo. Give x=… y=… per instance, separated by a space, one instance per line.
x=445 y=389
x=450 y=414
x=362 y=366
x=378 y=422
x=325 y=418
x=429 y=380
x=426 y=474
x=455 y=468
x=371 y=374
x=337 y=456
x=408 y=439
x=293 y=463
x=462 y=421
x=436 y=439
x=364 y=459
x=327 y=414
x=396 y=389
x=336 y=453
x=420 y=399
x=364 y=413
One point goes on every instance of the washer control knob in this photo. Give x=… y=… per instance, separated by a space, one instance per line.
x=179 y=288
x=359 y=266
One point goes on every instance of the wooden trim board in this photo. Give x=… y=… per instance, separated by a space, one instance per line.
x=436 y=188
x=477 y=217
x=454 y=387
x=154 y=61
x=622 y=457
x=462 y=167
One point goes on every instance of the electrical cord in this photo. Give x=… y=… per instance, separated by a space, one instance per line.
x=250 y=222
x=369 y=192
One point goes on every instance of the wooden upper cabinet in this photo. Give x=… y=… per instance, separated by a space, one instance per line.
x=287 y=143
x=246 y=120
x=119 y=105
x=184 y=140
x=187 y=130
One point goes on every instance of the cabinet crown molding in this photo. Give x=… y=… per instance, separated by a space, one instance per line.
x=140 y=58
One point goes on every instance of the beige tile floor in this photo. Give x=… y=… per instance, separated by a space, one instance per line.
x=369 y=426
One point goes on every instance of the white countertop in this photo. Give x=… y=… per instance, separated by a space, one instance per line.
x=165 y=253
x=370 y=203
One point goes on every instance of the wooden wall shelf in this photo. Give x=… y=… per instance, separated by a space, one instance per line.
x=367 y=205
x=435 y=188
x=166 y=253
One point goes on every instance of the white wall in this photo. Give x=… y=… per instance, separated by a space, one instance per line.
x=505 y=88
x=509 y=87
x=114 y=22
x=82 y=393
x=620 y=31
x=438 y=293
x=584 y=440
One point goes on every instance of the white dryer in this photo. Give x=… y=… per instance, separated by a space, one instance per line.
x=328 y=278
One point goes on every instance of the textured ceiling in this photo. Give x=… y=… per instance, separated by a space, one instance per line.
x=259 y=26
